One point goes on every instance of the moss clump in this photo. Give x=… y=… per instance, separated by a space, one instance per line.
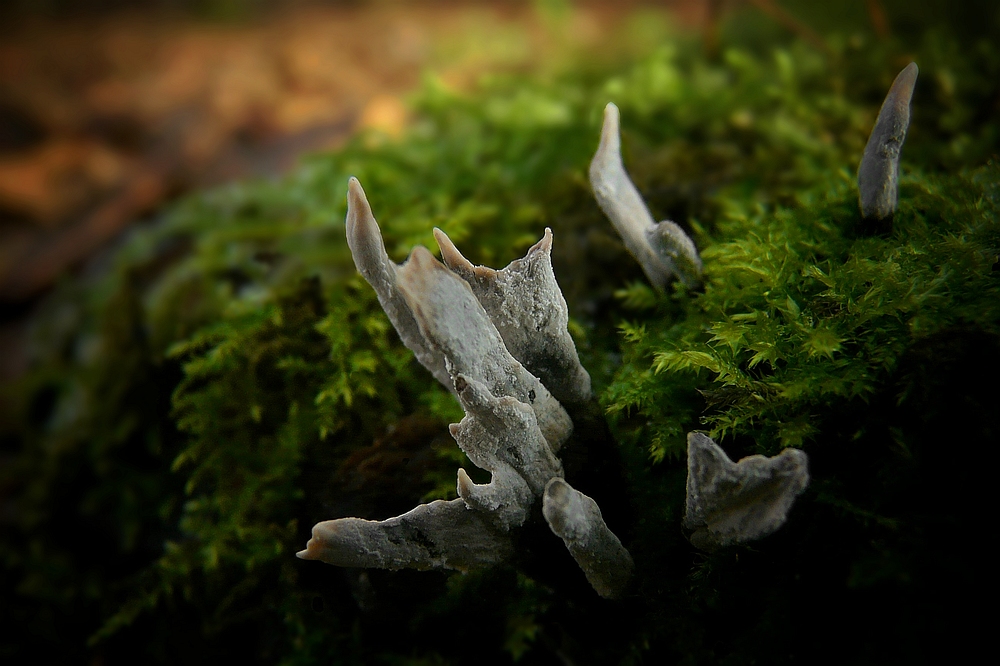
x=804 y=315
x=200 y=406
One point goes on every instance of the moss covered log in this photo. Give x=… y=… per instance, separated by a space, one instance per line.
x=230 y=380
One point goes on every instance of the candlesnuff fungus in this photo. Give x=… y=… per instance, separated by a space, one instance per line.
x=489 y=335
x=577 y=520
x=727 y=502
x=730 y=503
x=878 y=173
x=538 y=337
x=498 y=339
x=663 y=250
x=483 y=333
x=372 y=261
x=453 y=322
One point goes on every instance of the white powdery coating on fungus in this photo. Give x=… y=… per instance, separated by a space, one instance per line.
x=730 y=503
x=501 y=435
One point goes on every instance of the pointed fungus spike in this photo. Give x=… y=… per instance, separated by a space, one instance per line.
x=368 y=251
x=543 y=245
x=421 y=274
x=314 y=547
x=454 y=260
x=356 y=195
x=450 y=255
x=465 y=484
x=610 y=133
x=878 y=173
x=423 y=258
x=621 y=202
x=363 y=235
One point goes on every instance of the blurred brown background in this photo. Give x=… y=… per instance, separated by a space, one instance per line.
x=108 y=109
x=111 y=108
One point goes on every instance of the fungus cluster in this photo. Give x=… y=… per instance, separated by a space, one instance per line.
x=490 y=336
x=498 y=340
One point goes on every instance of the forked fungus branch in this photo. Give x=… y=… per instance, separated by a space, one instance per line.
x=488 y=335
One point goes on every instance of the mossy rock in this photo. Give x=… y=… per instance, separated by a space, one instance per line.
x=231 y=380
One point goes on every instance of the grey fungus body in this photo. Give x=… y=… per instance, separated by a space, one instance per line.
x=663 y=249
x=454 y=323
x=483 y=333
x=577 y=520
x=735 y=502
x=501 y=435
x=878 y=173
x=528 y=308
x=374 y=264
x=438 y=535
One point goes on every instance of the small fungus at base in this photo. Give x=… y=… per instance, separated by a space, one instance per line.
x=735 y=502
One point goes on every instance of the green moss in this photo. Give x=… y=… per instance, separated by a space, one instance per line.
x=800 y=316
x=199 y=406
